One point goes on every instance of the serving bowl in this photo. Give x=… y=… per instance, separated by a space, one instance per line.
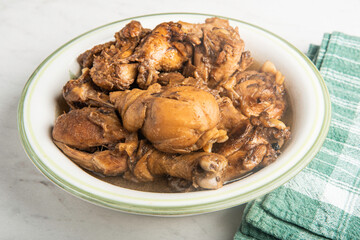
x=308 y=96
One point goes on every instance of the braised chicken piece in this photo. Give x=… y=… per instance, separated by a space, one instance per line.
x=175 y=120
x=160 y=50
x=113 y=76
x=88 y=127
x=223 y=49
x=81 y=131
x=194 y=31
x=255 y=92
x=175 y=79
x=202 y=169
x=86 y=59
x=82 y=92
x=221 y=52
x=176 y=103
x=110 y=75
x=128 y=38
x=111 y=70
x=168 y=77
x=125 y=42
x=107 y=162
x=231 y=117
x=255 y=144
x=245 y=149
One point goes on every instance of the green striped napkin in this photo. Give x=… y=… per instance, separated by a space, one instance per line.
x=323 y=200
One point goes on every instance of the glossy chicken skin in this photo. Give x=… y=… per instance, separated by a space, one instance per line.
x=175 y=120
x=231 y=117
x=107 y=162
x=79 y=132
x=202 y=169
x=88 y=127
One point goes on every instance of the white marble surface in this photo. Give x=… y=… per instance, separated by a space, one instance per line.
x=32 y=207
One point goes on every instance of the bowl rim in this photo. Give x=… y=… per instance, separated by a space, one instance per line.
x=178 y=210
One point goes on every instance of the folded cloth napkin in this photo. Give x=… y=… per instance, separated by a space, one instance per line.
x=323 y=200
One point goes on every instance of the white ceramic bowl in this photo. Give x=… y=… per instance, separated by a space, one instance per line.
x=308 y=95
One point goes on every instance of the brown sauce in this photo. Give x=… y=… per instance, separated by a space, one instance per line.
x=61 y=106
x=159 y=185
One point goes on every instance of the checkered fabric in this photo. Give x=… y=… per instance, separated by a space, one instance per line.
x=323 y=200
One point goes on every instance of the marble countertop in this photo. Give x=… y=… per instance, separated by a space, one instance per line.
x=32 y=207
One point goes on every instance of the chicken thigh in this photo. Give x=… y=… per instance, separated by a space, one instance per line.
x=88 y=127
x=175 y=120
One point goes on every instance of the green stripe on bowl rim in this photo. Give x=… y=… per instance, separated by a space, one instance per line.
x=166 y=210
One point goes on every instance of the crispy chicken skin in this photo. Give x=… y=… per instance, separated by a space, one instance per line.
x=175 y=120
x=176 y=102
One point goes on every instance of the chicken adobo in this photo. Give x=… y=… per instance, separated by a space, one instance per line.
x=178 y=102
